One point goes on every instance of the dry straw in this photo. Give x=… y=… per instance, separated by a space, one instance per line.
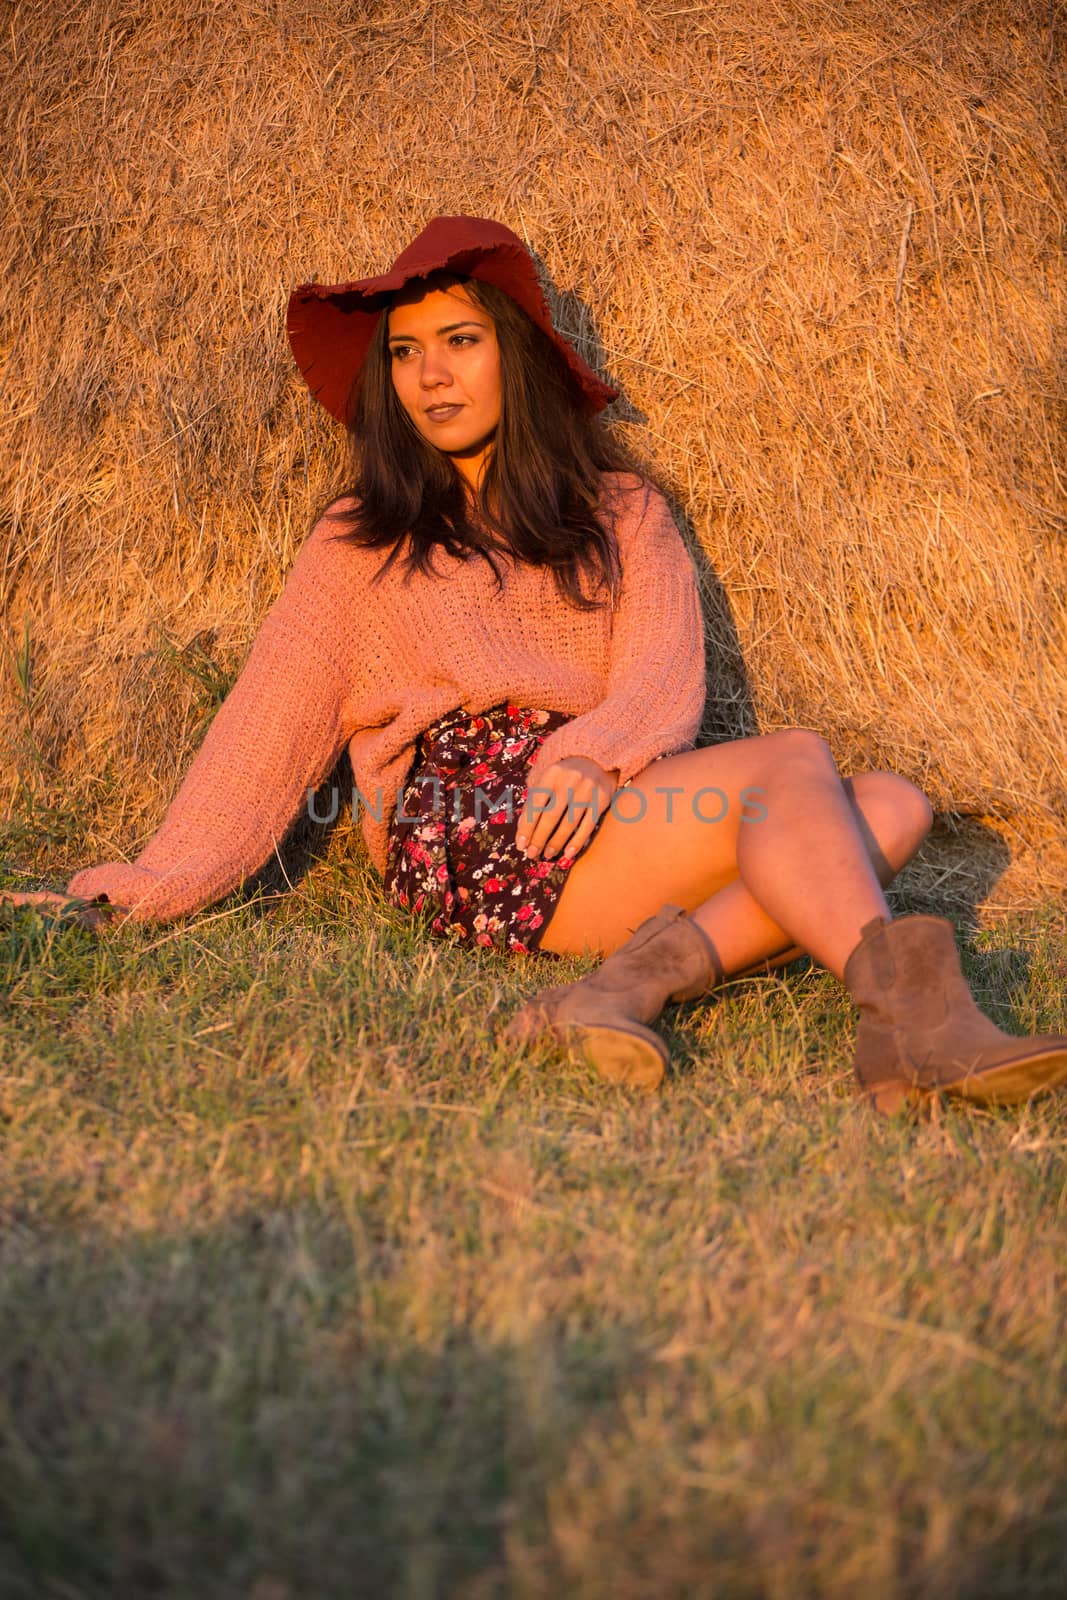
x=817 y=244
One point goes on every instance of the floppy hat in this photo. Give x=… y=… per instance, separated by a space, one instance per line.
x=331 y=326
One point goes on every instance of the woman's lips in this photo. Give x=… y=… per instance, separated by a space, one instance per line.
x=442 y=413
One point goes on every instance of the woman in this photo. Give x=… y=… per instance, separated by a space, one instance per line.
x=496 y=713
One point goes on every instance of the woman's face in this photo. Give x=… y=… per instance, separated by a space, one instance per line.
x=445 y=363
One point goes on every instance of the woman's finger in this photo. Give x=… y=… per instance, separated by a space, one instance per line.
x=555 y=825
x=569 y=796
x=571 y=846
x=570 y=833
x=66 y=906
x=587 y=826
x=573 y=829
x=36 y=897
x=540 y=813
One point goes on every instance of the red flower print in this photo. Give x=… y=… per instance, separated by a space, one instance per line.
x=493 y=885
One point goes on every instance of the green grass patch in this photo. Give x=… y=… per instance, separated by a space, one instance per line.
x=310 y=1287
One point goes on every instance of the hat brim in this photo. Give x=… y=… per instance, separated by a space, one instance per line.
x=331 y=326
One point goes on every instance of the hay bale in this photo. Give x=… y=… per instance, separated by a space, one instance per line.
x=816 y=244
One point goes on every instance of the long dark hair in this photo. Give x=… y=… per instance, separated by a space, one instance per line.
x=539 y=498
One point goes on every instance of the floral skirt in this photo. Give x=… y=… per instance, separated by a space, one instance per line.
x=452 y=851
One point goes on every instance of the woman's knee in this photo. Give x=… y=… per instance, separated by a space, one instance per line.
x=897 y=809
x=799 y=747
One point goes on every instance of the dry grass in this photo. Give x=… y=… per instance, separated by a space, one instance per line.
x=311 y=1288
x=817 y=244
x=308 y=1287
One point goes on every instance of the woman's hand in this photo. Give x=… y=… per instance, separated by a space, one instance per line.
x=581 y=793
x=85 y=913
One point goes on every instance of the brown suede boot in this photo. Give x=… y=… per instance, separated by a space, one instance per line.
x=920 y=1032
x=603 y=1015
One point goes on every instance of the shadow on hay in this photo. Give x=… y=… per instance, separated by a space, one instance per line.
x=955 y=872
x=730 y=711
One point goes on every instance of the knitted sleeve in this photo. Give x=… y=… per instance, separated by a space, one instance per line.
x=656 y=682
x=278 y=733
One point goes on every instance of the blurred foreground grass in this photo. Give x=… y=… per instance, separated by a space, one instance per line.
x=308 y=1288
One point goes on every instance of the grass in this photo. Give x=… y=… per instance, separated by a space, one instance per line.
x=306 y=1286
x=311 y=1288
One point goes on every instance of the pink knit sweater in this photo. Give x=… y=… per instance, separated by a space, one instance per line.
x=338 y=662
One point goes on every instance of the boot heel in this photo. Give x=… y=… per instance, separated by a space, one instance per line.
x=606 y=1013
x=893 y=1099
x=637 y=1058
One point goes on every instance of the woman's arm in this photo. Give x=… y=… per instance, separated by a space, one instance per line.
x=279 y=732
x=656 y=677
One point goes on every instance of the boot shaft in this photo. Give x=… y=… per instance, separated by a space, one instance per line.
x=920 y=1026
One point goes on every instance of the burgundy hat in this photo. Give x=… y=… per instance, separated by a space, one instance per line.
x=331 y=325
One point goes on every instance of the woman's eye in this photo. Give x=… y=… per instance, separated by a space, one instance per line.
x=400 y=352
x=464 y=338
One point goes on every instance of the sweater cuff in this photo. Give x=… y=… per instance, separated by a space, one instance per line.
x=610 y=750
x=127 y=887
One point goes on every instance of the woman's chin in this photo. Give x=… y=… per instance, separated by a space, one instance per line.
x=469 y=460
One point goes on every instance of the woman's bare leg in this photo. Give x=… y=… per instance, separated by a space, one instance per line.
x=893 y=818
x=805 y=877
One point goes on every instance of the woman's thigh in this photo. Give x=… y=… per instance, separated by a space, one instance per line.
x=672 y=836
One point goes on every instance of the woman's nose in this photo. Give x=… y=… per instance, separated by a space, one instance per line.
x=434 y=370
